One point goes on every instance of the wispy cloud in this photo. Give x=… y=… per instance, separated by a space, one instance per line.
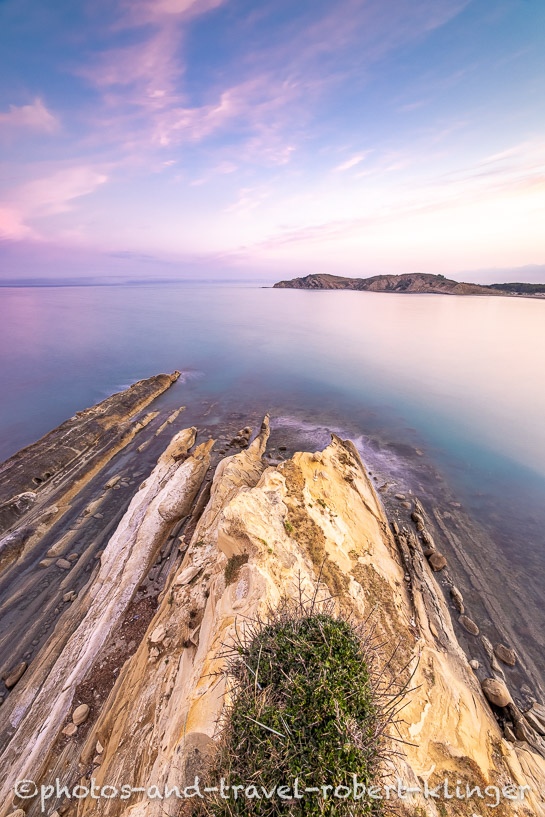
x=138 y=12
x=12 y=224
x=34 y=116
x=352 y=162
x=50 y=195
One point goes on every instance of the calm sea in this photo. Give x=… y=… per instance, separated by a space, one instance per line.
x=456 y=381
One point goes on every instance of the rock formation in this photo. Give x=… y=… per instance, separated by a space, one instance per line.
x=45 y=476
x=410 y=282
x=128 y=688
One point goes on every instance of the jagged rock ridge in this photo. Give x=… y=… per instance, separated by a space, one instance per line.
x=154 y=720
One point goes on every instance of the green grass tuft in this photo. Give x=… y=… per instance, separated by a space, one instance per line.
x=306 y=704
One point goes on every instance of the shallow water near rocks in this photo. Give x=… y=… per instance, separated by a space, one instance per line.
x=444 y=396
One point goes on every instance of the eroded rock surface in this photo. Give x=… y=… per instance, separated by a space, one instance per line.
x=255 y=534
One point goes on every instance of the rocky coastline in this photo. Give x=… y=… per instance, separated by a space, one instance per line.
x=143 y=545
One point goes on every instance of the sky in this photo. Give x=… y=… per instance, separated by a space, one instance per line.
x=152 y=139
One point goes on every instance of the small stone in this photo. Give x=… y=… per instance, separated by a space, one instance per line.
x=73 y=557
x=457 y=599
x=64 y=563
x=99 y=748
x=45 y=562
x=474 y=664
x=80 y=714
x=417 y=518
x=405 y=504
x=111 y=482
x=97 y=760
x=437 y=562
x=98 y=516
x=158 y=635
x=505 y=654
x=429 y=552
x=469 y=625
x=70 y=730
x=401 y=497
x=15 y=674
x=70 y=596
x=187 y=575
x=496 y=692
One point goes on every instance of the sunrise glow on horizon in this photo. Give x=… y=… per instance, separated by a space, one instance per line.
x=163 y=137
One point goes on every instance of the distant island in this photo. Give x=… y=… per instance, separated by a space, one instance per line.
x=413 y=282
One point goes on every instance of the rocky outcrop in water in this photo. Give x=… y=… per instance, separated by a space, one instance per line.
x=38 y=483
x=126 y=687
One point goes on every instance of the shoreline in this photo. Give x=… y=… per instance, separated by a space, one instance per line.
x=118 y=583
x=31 y=532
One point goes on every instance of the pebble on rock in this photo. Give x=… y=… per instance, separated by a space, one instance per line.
x=70 y=730
x=458 y=599
x=505 y=654
x=15 y=674
x=496 y=692
x=469 y=625
x=80 y=714
x=64 y=563
x=437 y=562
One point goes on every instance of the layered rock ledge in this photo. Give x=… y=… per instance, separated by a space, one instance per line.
x=122 y=695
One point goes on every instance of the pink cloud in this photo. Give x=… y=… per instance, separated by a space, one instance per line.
x=355 y=160
x=12 y=225
x=156 y=11
x=48 y=196
x=150 y=70
x=55 y=193
x=34 y=116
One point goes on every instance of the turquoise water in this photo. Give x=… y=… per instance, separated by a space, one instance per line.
x=461 y=379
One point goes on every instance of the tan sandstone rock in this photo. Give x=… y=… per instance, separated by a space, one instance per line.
x=80 y=714
x=496 y=692
x=505 y=654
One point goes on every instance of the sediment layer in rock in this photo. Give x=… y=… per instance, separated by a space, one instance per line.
x=312 y=523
